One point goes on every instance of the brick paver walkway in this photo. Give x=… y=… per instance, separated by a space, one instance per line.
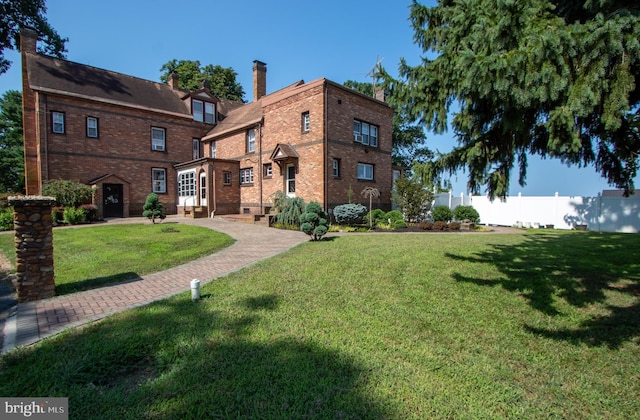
x=34 y=321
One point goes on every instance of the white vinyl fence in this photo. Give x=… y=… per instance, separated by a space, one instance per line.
x=601 y=213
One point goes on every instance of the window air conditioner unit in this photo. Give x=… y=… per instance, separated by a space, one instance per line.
x=358 y=138
x=158 y=147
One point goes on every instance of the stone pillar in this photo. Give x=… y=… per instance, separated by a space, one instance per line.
x=34 y=247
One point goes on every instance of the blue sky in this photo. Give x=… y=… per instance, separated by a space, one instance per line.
x=338 y=40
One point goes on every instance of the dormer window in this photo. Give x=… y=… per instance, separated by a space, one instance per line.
x=203 y=111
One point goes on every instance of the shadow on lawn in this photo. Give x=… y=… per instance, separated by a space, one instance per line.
x=183 y=359
x=578 y=269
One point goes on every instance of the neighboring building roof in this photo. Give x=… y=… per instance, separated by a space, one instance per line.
x=54 y=75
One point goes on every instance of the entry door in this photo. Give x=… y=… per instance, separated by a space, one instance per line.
x=112 y=200
x=290 y=182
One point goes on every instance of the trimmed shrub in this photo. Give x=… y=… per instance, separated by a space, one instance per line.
x=454 y=226
x=349 y=214
x=425 y=225
x=440 y=225
x=398 y=224
x=462 y=213
x=6 y=218
x=67 y=193
x=153 y=208
x=441 y=214
x=374 y=217
x=73 y=216
x=313 y=221
x=90 y=212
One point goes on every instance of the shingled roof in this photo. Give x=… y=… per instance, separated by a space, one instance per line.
x=54 y=75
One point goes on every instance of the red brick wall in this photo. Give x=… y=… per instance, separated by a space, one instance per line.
x=122 y=149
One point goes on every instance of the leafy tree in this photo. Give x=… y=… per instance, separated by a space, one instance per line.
x=68 y=193
x=370 y=193
x=17 y=14
x=222 y=81
x=408 y=139
x=555 y=78
x=153 y=208
x=314 y=221
x=411 y=197
x=11 y=149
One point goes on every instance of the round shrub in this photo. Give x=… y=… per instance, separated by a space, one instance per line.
x=6 y=218
x=398 y=224
x=425 y=225
x=314 y=221
x=375 y=217
x=441 y=214
x=463 y=213
x=394 y=216
x=349 y=214
x=454 y=226
x=440 y=225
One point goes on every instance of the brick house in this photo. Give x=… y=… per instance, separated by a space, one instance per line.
x=201 y=154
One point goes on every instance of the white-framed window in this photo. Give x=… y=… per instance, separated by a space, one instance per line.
x=246 y=176
x=213 y=149
x=365 y=171
x=203 y=111
x=159 y=180
x=92 y=127
x=57 y=122
x=158 y=139
x=187 y=184
x=203 y=187
x=251 y=140
x=195 y=145
x=267 y=170
x=336 y=168
x=365 y=133
x=290 y=180
x=306 y=122
x=226 y=177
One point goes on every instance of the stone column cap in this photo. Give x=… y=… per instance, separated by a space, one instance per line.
x=30 y=199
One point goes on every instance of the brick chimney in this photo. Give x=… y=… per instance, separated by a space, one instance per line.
x=174 y=83
x=28 y=40
x=259 y=79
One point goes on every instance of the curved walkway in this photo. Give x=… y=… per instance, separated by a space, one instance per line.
x=33 y=321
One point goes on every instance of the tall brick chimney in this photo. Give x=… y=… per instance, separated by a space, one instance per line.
x=259 y=79
x=173 y=81
x=28 y=40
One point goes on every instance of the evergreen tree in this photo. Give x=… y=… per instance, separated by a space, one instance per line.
x=557 y=79
x=153 y=208
x=11 y=149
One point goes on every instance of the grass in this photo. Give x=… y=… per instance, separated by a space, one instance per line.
x=92 y=257
x=527 y=325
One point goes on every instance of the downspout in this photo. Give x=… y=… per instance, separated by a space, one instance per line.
x=259 y=169
x=43 y=151
x=325 y=156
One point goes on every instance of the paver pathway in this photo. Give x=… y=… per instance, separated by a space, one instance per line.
x=36 y=320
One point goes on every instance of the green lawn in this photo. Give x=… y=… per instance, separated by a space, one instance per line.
x=537 y=325
x=94 y=256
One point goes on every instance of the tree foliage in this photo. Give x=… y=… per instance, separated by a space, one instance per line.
x=222 y=81
x=153 y=208
x=557 y=79
x=11 y=149
x=413 y=199
x=408 y=139
x=17 y=14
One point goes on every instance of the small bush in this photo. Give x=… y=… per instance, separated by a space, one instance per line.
x=6 y=218
x=394 y=216
x=440 y=225
x=462 y=213
x=313 y=221
x=398 y=224
x=74 y=216
x=425 y=225
x=349 y=214
x=90 y=212
x=454 y=226
x=153 y=208
x=57 y=215
x=442 y=214
x=375 y=217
